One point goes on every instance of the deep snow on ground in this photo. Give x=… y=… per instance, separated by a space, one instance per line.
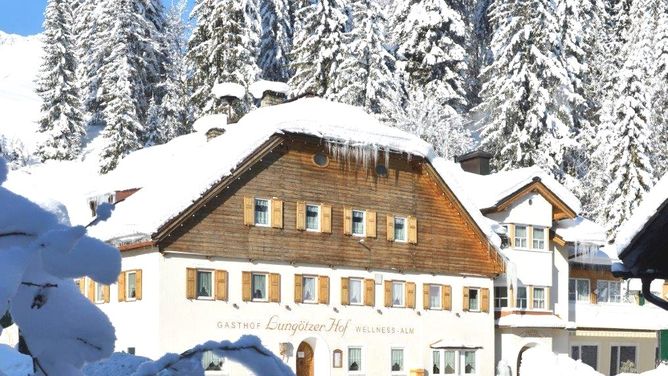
x=12 y=363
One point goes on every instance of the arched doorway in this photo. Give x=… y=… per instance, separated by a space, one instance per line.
x=305 y=360
x=519 y=356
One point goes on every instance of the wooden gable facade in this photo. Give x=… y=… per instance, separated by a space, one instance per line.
x=283 y=169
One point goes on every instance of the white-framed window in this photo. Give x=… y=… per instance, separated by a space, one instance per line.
x=454 y=362
x=474 y=299
x=500 y=296
x=588 y=354
x=538 y=238
x=309 y=290
x=578 y=290
x=204 y=284
x=359 y=223
x=99 y=292
x=355 y=364
x=608 y=291
x=400 y=233
x=521 y=297
x=262 y=212
x=130 y=285
x=538 y=298
x=214 y=364
x=355 y=291
x=469 y=358
x=259 y=287
x=623 y=359
x=312 y=217
x=398 y=289
x=435 y=296
x=397 y=360
x=520 y=236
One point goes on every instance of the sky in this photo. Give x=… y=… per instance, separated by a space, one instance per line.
x=24 y=17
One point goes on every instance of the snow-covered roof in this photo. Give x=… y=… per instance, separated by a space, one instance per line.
x=258 y=88
x=531 y=321
x=457 y=343
x=229 y=89
x=162 y=197
x=581 y=230
x=207 y=122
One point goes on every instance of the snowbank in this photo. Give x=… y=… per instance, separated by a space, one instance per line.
x=258 y=88
x=13 y=363
x=539 y=362
x=229 y=89
x=117 y=364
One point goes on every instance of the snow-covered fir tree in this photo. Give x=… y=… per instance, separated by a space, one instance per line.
x=319 y=46
x=659 y=89
x=156 y=132
x=526 y=90
x=61 y=122
x=276 y=41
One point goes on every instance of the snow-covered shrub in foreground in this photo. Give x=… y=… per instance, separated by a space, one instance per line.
x=40 y=254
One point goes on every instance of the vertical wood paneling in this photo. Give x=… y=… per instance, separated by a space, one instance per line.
x=347 y=221
x=345 y=293
x=249 y=211
x=326 y=221
x=389 y=227
x=274 y=287
x=485 y=300
x=370 y=224
x=276 y=213
x=446 y=290
x=425 y=296
x=388 y=294
x=410 y=294
x=466 y=299
x=301 y=216
x=138 y=284
x=298 y=288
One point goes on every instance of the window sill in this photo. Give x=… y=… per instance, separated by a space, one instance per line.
x=204 y=298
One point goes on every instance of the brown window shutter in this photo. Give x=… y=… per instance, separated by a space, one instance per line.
x=121 y=287
x=326 y=219
x=298 y=288
x=388 y=293
x=530 y=237
x=276 y=213
x=446 y=297
x=529 y=297
x=344 y=291
x=466 y=299
x=190 y=283
x=592 y=286
x=301 y=215
x=410 y=294
x=249 y=212
x=369 y=292
x=221 y=285
x=412 y=230
x=138 y=284
x=246 y=286
x=425 y=295
x=91 y=289
x=347 y=221
x=323 y=289
x=511 y=234
x=390 y=227
x=370 y=224
x=547 y=298
x=485 y=300
x=105 y=293
x=275 y=288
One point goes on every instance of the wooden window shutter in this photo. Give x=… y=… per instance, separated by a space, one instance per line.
x=388 y=293
x=446 y=298
x=547 y=298
x=249 y=212
x=121 y=287
x=276 y=213
x=410 y=294
x=323 y=289
x=191 y=292
x=344 y=291
x=301 y=215
x=246 y=286
x=512 y=302
x=105 y=293
x=390 y=227
x=425 y=295
x=511 y=234
x=221 y=285
x=91 y=289
x=530 y=237
x=485 y=300
x=369 y=292
x=347 y=221
x=326 y=219
x=370 y=224
x=412 y=230
x=298 y=288
x=138 y=278
x=592 y=286
x=275 y=288
x=466 y=299
x=529 y=297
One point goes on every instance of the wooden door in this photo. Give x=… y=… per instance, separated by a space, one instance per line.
x=304 y=360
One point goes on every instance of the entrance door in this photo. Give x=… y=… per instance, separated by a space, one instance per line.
x=304 y=360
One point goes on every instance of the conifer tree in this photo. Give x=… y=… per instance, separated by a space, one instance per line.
x=276 y=41
x=156 y=132
x=201 y=80
x=61 y=122
x=659 y=89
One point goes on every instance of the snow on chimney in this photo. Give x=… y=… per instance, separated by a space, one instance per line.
x=269 y=92
x=476 y=162
x=229 y=93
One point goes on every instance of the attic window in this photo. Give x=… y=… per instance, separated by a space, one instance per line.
x=320 y=159
x=381 y=170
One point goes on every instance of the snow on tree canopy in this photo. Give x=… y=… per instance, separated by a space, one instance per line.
x=258 y=88
x=229 y=89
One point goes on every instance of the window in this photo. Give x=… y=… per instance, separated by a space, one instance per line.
x=309 y=289
x=474 y=299
x=259 y=286
x=358 y=223
x=99 y=293
x=622 y=359
x=355 y=291
x=397 y=360
x=521 y=297
x=397 y=294
x=469 y=362
x=578 y=290
x=212 y=362
x=204 y=284
x=539 y=298
x=435 y=297
x=608 y=291
x=520 y=237
x=453 y=362
x=320 y=159
x=538 y=241
x=500 y=296
x=131 y=285
x=262 y=212
x=312 y=217
x=400 y=229
x=588 y=354
x=381 y=170
x=355 y=359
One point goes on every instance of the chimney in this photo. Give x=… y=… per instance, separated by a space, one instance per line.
x=269 y=92
x=476 y=162
x=229 y=93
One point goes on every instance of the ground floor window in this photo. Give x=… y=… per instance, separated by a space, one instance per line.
x=588 y=354
x=397 y=360
x=454 y=362
x=521 y=297
x=212 y=363
x=500 y=296
x=355 y=359
x=622 y=359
